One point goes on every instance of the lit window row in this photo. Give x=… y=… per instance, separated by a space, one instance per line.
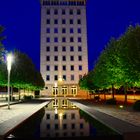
x=64 y=58
x=63 y=21
x=64 y=68
x=64 y=48
x=63 y=12
x=64 y=39
x=63 y=30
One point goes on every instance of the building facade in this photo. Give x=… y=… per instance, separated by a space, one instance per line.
x=63 y=51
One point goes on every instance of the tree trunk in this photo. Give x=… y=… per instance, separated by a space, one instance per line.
x=112 y=91
x=11 y=93
x=19 y=94
x=104 y=96
x=125 y=94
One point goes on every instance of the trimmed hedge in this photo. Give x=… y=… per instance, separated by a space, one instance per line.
x=29 y=97
x=111 y=101
x=136 y=105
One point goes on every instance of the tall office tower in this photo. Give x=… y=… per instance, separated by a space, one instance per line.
x=63 y=54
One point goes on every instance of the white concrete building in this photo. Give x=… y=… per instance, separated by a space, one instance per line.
x=63 y=51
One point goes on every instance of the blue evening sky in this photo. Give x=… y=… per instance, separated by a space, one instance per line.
x=105 y=18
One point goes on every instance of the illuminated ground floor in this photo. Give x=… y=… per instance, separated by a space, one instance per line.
x=62 y=90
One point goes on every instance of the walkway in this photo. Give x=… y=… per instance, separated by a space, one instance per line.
x=124 y=121
x=9 y=119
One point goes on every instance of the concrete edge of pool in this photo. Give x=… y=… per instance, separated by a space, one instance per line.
x=127 y=130
x=7 y=126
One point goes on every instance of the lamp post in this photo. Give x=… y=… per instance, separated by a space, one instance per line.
x=9 y=64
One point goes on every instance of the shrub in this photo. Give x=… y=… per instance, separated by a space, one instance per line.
x=11 y=98
x=29 y=97
x=111 y=101
x=37 y=96
x=136 y=105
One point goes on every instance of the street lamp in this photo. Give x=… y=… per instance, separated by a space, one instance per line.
x=9 y=64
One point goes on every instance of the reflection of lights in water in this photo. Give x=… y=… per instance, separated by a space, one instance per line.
x=55 y=111
x=60 y=119
x=60 y=115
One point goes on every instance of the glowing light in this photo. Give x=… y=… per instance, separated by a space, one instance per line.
x=121 y=106
x=60 y=115
x=55 y=111
x=55 y=84
x=9 y=61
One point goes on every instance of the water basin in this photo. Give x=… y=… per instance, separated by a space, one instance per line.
x=61 y=119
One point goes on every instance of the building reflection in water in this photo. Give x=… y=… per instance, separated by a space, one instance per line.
x=62 y=119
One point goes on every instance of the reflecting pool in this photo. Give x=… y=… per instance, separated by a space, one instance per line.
x=61 y=119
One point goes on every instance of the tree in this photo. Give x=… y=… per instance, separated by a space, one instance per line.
x=2 y=65
x=2 y=50
x=118 y=64
x=24 y=74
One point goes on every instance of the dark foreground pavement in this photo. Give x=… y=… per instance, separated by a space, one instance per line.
x=125 y=122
